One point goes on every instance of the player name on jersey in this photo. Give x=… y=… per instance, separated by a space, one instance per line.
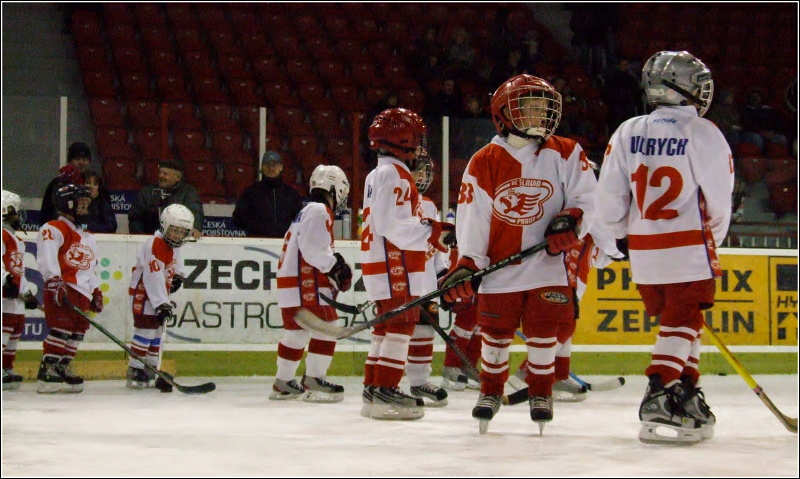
x=659 y=146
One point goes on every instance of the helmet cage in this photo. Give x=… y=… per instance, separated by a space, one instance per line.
x=527 y=106
x=423 y=173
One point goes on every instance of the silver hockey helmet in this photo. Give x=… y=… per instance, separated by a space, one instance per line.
x=677 y=78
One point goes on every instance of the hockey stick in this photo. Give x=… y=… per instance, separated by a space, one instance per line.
x=199 y=389
x=469 y=369
x=309 y=321
x=789 y=423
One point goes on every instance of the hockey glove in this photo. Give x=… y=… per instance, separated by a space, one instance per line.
x=163 y=312
x=57 y=289
x=341 y=274
x=622 y=246
x=97 y=301
x=465 y=290
x=560 y=233
x=11 y=287
x=443 y=235
x=30 y=301
x=175 y=285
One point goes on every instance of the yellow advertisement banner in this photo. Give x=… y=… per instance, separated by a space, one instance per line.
x=756 y=304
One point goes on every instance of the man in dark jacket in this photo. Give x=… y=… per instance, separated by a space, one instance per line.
x=267 y=207
x=144 y=216
x=78 y=158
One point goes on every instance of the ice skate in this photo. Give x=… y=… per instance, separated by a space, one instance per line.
x=485 y=409
x=72 y=382
x=661 y=409
x=694 y=404
x=432 y=396
x=11 y=380
x=282 y=390
x=391 y=403
x=541 y=410
x=453 y=379
x=49 y=378
x=569 y=390
x=320 y=390
x=135 y=378
x=366 y=400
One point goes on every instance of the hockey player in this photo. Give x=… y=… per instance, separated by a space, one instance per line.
x=523 y=188
x=420 y=348
x=157 y=274
x=666 y=185
x=15 y=302
x=394 y=242
x=309 y=266
x=67 y=260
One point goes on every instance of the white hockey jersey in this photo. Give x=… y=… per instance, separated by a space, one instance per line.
x=307 y=255
x=394 y=241
x=66 y=250
x=156 y=264
x=13 y=255
x=666 y=184
x=508 y=197
x=435 y=260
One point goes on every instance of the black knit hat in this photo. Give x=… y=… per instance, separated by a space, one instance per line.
x=78 y=150
x=171 y=163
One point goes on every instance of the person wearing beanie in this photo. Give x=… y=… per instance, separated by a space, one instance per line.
x=170 y=188
x=78 y=158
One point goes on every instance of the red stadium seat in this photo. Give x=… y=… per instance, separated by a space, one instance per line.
x=156 y=37
x=208 y=90
x=304 y=148
x=223 y=41
x=144 y=114
x=93 y=58
x=312 y=94
x=300 y=70
x=150 y=14
x=346 y=98
x=136 y=86
x=339 y=150
x=218 y=117
x=86 y=28
x=237 y=158
x=238 y=177
x=118 y=13
x=199 y=64
x=363 y=73
x=333 y=72
x=120 y=174
x=189 y=40
x=227 y=142
x=182 y=116
x=751 y=168
x=281 y=94
x=245 y=92
x=198 y=155
x=320 y=48
x=211 y=16
x=233 y=67
x=122 y=36
x=106 y=112
x=325 y=121
x=375 y=95
x=181 y=15
x=129 y=60
x=412 y=98
x=268 y=69
x=337 y=27
x=396 y=33
x=256 y=45
x=189 y=140
x=349 y=49
x=380 y=50
x=149 y=141
x=248 y=116
x=289 y=46
x=113 y=143
x=99 y=84
x=776 y=150
x=293 y=120
x=172 y=88
x=783 y=198
x=245 y=23
x=164 y=63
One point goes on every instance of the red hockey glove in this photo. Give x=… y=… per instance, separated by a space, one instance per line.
x=465 y=290
x=97 y=301
x=560 y=233
x=443 y=235
x=341 y=274
x=57 y=290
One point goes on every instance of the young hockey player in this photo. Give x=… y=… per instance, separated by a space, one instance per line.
x=665 y=185
x=394 y=244
x=309 y=266
x=420 y=348
x=157 y=274
x=525 y=187
x=67 y=260
x=15 y=302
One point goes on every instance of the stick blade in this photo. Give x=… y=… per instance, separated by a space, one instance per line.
x=607 y=385
x=790 y=423
x=199 y=389
x=311 y=322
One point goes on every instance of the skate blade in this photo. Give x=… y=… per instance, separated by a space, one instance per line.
x=707 y=431
x=71 y=388
x=391 y=412
x=566 y=396
x=322 y=397
x=48 y=388
x=541 y=427
x=366 y=409
x=654 y=433
x=483 y=426
x=278 y=396
x=429 y=402
x=135 y=385
x=473 y=385
x=453 y=385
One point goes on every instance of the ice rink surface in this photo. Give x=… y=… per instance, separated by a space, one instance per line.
x=110 y=431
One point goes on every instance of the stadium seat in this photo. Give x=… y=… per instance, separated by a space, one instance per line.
x=226 y=143
x=106 y=112
x=118 y=13
x=306 y=25
x=783 y=198
x=129 y=60
x=211 y=16
x=218 y=117
x=346 y=98
x=149 y=141
x=223 y=41
x=300 y=70
x=182 y=116
x=304 y=148
x=349 y=49
x=268 y=69
x=189 y=40
x=120 y=174
x=363 y=74
x=289 y=46
x=751 y=168
x=412 y=98
x=136 y=86
x=320 y=48
x=337 y=27
x=189 y=140
x=380 y=50
x=245 y=92
x=233 y=67
x=375 y=95
x=149 y=14
x=164 y=63
x=325 y=121
x=237 y=158
x=86 y=28
x=248 y=116
x=156 y=37
x=113 y=143
x=122 y=36
x=281 y=94
x=238 y=177
x=92 y=58
x=256 y=45
x=396 y=33
x=245 y=23
x=172 y=88
x=339 y=150
x=199 y=64
x=312 y=94
x=292 y=120
x=208 y=90
x=99 y=84
x=144 y=114
x=181 y=16
x=333 y=72
x=776 y=150
x=198 y=155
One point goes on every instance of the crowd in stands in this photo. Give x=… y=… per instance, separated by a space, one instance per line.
x=319 y=67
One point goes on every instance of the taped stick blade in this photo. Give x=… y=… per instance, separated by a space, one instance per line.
x=311 y=322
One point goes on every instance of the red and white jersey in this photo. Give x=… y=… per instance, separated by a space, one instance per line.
x=580 y=260
x=666 y=184
x=156 y=263
x=508 y=197
x=66 y=250
x=13 y=254
x=307 y=255
x=393 y=239
x=435 y=260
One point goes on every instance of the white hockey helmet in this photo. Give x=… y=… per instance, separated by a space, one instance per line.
x=332 y=179
x=176 y=223
x=677 y=78
x=11 y=203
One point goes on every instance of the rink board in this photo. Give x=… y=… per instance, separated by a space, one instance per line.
x=228 y=298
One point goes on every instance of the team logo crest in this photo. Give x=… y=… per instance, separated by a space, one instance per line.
x=79 y=256
x=399 y=286
x=554 y=297
x=307 y=283
x=309 y=297
x=306 y=270
x=396 y=270
x=520 y=201
x=15 y=263
x=395 y=255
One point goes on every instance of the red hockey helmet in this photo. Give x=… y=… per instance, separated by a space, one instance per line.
x=526 y=105
x=398 y=131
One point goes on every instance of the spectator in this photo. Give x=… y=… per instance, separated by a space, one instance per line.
x=725 y=114
x=621 y=93
x=267 y=208
x=78 y=159
x=144 y=216
x=511 y=67
x=100 y=218
x=461 y=55
x=448 y=100
x=760 y=122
